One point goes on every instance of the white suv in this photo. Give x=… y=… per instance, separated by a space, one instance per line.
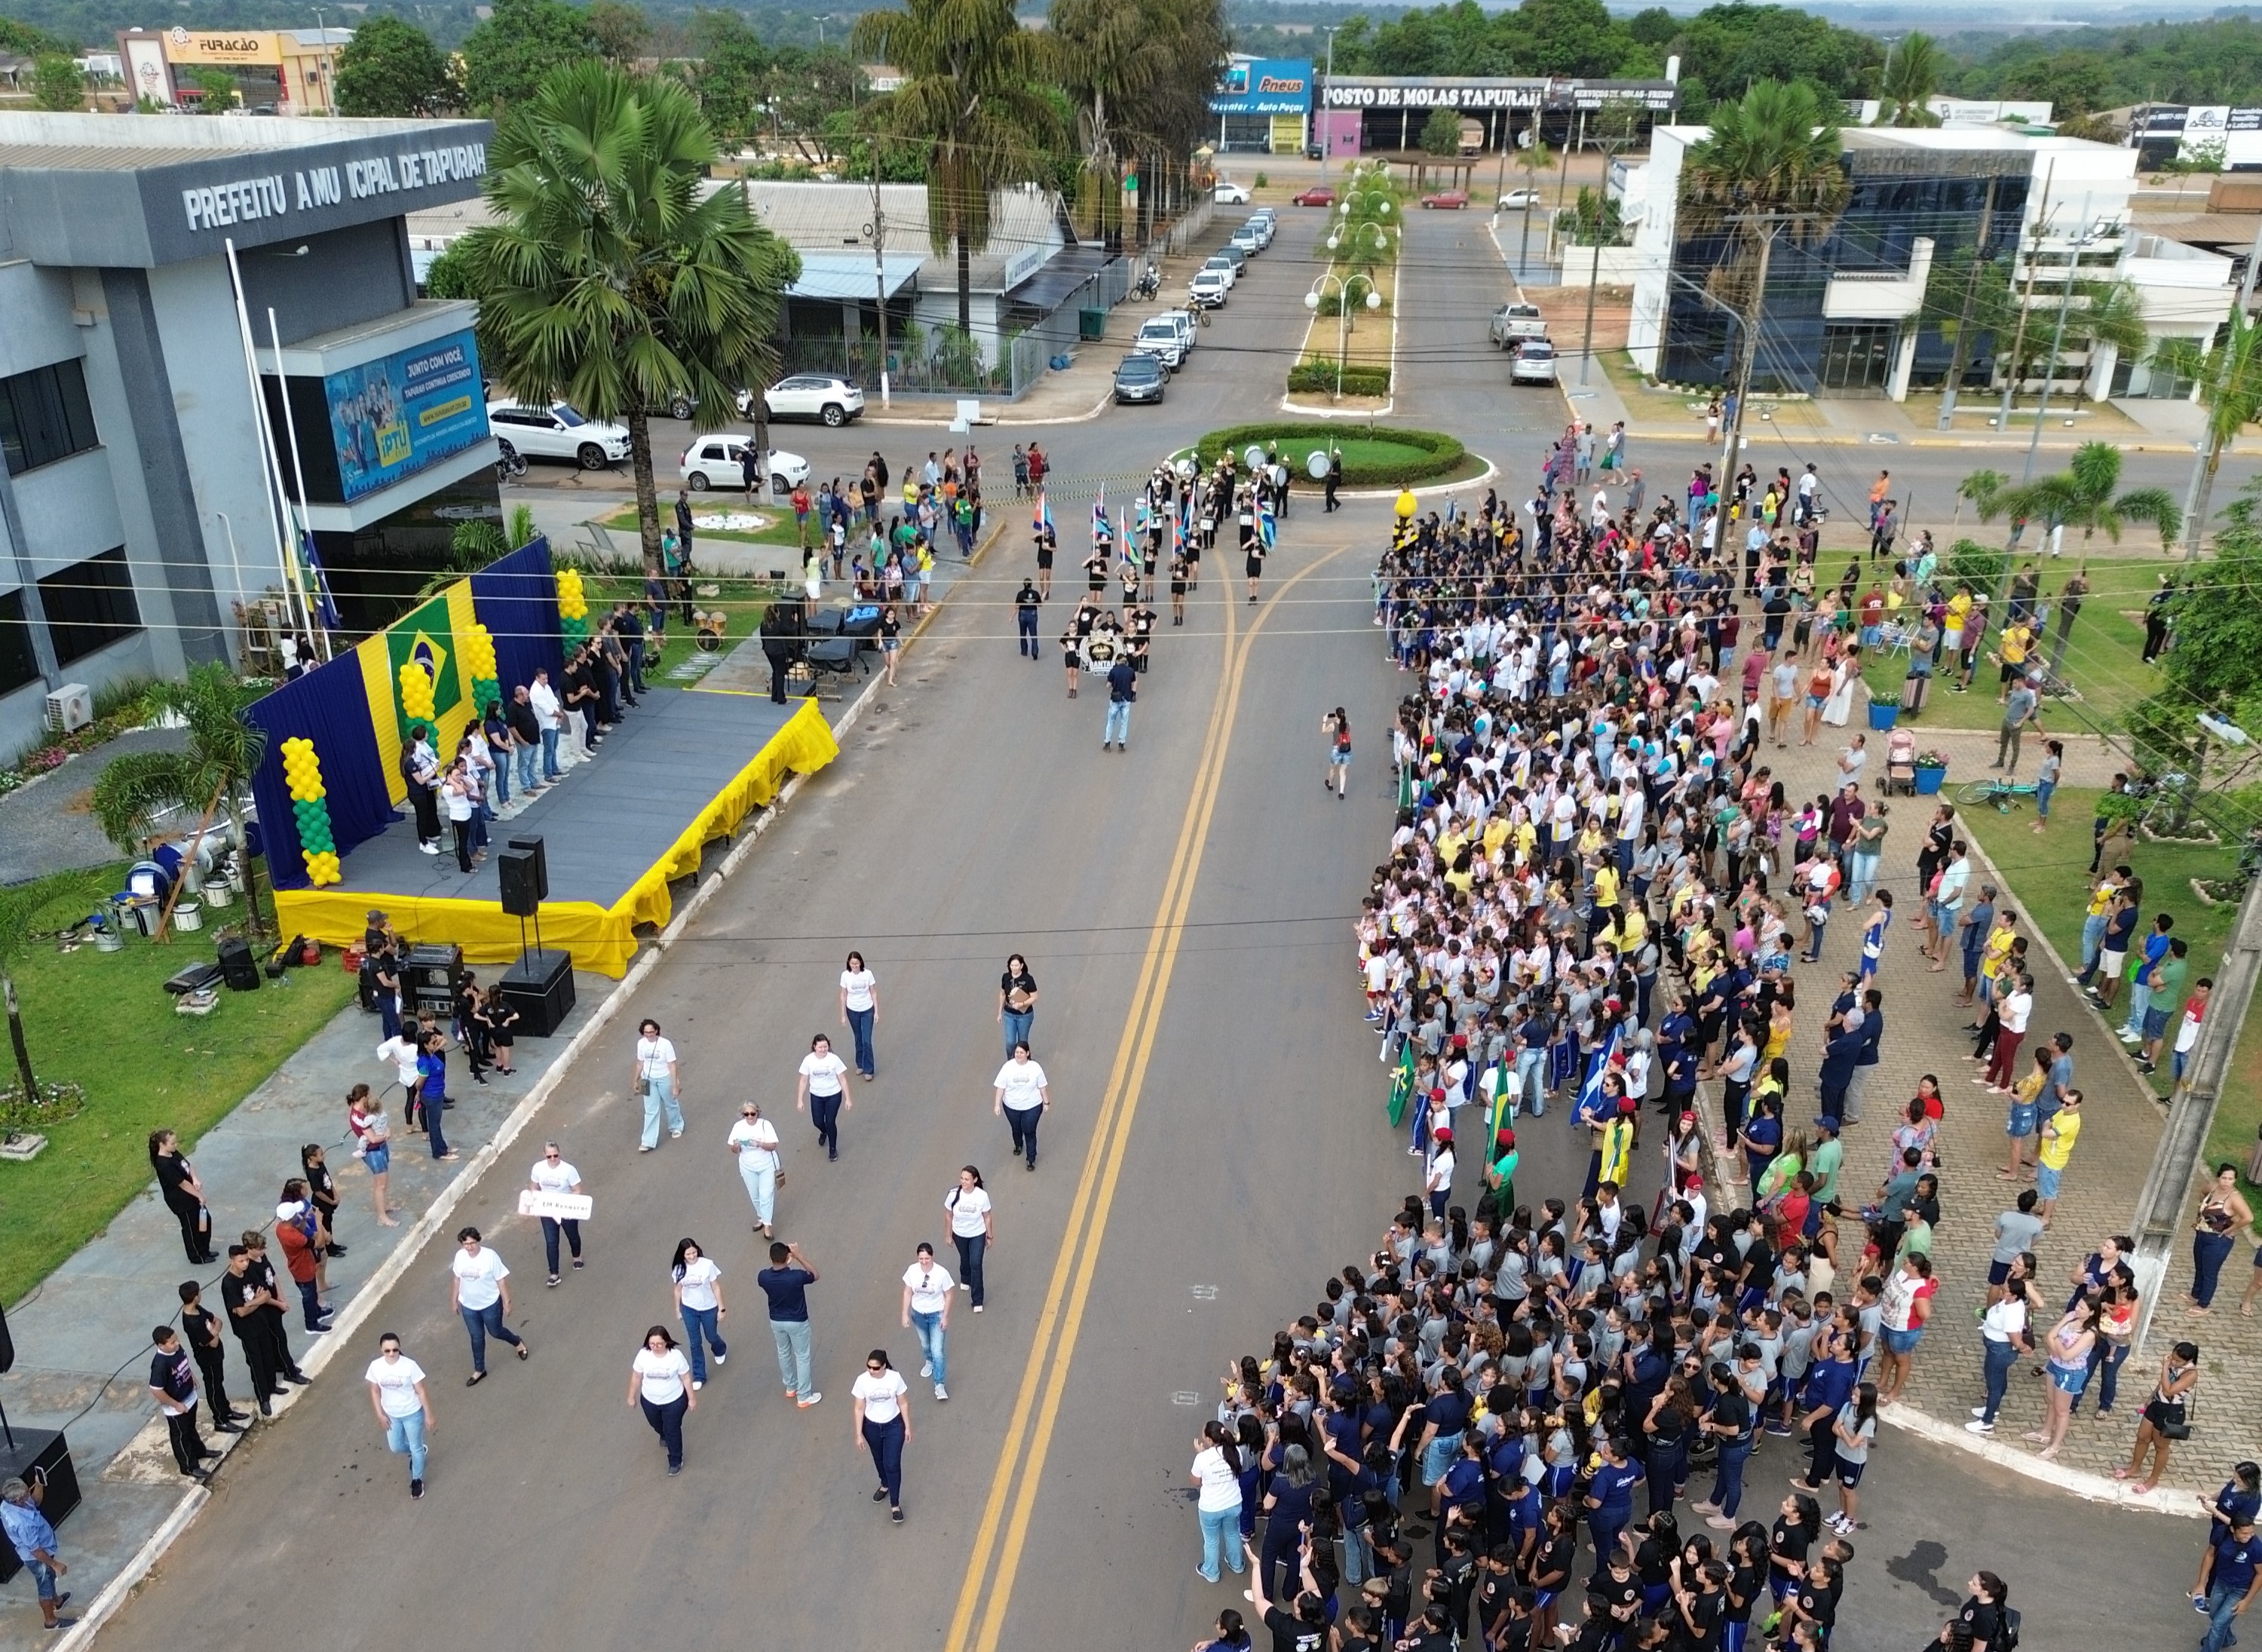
x=557 y=431
x=1207 y=290
x=814 y=396
x=1159 y=338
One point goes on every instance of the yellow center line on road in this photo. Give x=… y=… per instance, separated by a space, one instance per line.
x=1017 y=1480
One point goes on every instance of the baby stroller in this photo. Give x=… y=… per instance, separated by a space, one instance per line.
x=1900 y=763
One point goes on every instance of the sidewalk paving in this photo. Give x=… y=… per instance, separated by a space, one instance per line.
x=83 y=1335
x=2102 y=1182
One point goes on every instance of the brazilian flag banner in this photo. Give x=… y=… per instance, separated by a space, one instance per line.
x=415 y=672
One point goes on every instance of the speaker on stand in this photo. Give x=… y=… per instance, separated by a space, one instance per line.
x=38 y=1456
x=540 y=985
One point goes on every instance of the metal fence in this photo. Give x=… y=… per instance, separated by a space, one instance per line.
x=1183 y=235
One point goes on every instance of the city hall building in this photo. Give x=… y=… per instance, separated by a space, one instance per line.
x=148 y=500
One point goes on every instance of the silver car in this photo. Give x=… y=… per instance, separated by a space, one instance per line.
x=814 y=396
x=1534 y=363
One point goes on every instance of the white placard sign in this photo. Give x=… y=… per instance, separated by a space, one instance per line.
x=558 y=1207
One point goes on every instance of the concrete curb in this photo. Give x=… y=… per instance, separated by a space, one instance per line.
x=2169 y=1500
x=106 y=1605
x=1001 y=423
x=1971 y=443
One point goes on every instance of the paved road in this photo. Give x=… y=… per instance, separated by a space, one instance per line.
x=1216 y=1149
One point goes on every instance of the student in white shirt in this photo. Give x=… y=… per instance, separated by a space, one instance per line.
x=927 y=1308
x=656 y=1383
x=549 y=720
x=859 y=1007
x=478 y=1288
x=883 y=1421
x=553 y=1174
x=656 y=1083
x=971 y=1228
x=1023 y=1097
x=699 y=1299
x=404 y=1411
x=818 y=1089
x=753 y=1143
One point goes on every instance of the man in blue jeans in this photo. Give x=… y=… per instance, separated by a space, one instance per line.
x=786 y=1282
x=526 y=740
x=549 y=719
x=34 y=1539
x=2228 y=1579
x=1121 y=691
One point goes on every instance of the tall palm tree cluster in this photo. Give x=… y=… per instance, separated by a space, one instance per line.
x=977 y=102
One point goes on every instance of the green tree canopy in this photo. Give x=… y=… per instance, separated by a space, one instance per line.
x=728 y=76
x=622 y=30
x=391 y=68
x=1911 y=76
x=507 y=58
x=56 y=83
x=615 y=278
x=1441 y=133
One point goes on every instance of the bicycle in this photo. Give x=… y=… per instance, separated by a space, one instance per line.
x=2001 y=795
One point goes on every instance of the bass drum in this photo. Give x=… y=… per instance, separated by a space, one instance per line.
x=1316 y=465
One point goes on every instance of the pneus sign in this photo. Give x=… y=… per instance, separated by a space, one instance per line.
x=275 y=194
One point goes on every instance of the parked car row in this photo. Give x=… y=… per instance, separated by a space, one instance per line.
x=1163 y=344
x=559 y=430
x=1215 y=279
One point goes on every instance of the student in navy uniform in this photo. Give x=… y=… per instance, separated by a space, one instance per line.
x=2228 y=1581
x=1609 y=1499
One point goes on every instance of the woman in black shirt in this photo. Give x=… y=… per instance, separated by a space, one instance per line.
x=1016 y=1001
x=322 y=1189
x=184 y=1195
x=499 y=1018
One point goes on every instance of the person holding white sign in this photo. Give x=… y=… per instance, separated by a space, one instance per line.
x=553 y=1174
x=753 y=1143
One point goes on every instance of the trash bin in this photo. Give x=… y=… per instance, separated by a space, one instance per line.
x=1091 y=326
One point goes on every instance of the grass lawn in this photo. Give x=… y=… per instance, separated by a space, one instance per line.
x=2049 y=876
x=781 y=531
x=101 y=1020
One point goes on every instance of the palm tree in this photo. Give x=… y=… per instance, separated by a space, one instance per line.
x=1108 y=55
x=613 y=278
x=2229 y=379
x=2082 y=495
x=15 y=925
x=212 y=772
x=1912 y=75
x=969 y=99
x=1768 y=167
x=2112 y=314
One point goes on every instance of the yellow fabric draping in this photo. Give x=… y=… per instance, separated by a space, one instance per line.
x=600 y=939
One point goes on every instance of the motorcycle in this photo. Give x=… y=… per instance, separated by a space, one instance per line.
x=1150 y=281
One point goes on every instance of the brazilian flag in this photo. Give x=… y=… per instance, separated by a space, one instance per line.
x=426 y=637
x=1401 y=1084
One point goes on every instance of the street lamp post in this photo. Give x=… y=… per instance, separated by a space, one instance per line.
x=1373 y=301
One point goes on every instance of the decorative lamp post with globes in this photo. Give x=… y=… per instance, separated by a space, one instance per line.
x=1343 y=286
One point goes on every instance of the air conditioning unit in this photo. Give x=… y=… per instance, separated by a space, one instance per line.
x=71 y=707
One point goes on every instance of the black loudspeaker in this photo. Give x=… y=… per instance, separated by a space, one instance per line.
x=7 y=1346
x=433 y=974
x=37 y=1455
x=237 y=965
x=533 y=846
x=520 y=871
x=540 y=986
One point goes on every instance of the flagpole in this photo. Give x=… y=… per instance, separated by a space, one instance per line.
x=265 y=437
x=305 y=533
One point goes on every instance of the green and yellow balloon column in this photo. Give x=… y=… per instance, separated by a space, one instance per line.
x=475 y=645
x=416 y=701
x=302 y=771
x=572 y=609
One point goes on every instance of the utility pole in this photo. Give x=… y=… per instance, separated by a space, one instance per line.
x=880 y=268
x=1617 y=125
x=1747 y=357
x=2058 y=337
x=2019 y=333
x=1971 y=302
x=2160 y=1215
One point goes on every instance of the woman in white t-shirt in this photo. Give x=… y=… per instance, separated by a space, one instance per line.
x=404 y=1411
x=753 y=1143
x=656 y=1083
x=552 y=1173
x=819 y=1090
x=971 y=1228
x=883 y=1421
x=699 y=1299
x=1217 y=1471
x=656 y=1382
x=859 y=1007
x=1023 y=1097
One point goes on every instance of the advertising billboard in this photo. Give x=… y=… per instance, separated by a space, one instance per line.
x=391 y=417
x=1264 y=86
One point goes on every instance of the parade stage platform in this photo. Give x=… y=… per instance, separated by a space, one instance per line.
x=683 y=770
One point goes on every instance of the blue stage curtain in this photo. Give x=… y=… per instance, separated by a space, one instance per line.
x=516 y=599
x=329 y=706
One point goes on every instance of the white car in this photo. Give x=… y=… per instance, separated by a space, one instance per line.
x=1534 y=363
x=1226 y=265
x=1207 y=290
x=557 y=431
x=1188 y=324
x=1519 y=200
x=1159 y=337
x=1248 y=239
x=814 y=396
x=1230 y=194
x=718 y=460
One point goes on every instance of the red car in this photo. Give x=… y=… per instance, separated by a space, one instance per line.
x=1447 y=198
x=1318 y=195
